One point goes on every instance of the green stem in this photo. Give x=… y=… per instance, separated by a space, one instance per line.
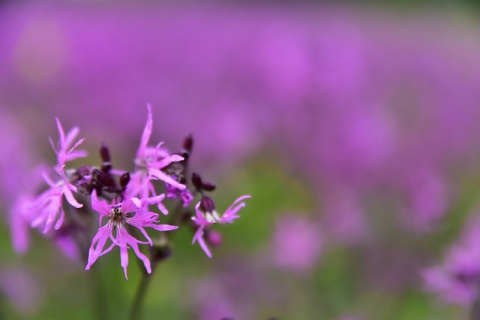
x=136 y=310
x=98 y=294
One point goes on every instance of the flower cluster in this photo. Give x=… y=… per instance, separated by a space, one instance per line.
x=121 y=200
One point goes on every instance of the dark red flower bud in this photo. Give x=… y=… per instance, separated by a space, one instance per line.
x=207 y=204
x=124 y=180
x=104 y=178
x=160 y=253
x=188 y=143
x=197 y=181
x=209 y=186
x=105 y=153
x=83 y=171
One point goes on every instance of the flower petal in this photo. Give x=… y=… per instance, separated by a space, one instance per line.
x=166 y=178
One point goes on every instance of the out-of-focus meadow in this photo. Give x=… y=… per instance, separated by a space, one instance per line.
x=355 y=129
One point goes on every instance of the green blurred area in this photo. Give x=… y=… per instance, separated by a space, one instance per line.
x=337 y=286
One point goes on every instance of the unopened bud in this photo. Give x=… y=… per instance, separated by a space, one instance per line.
x=188 y=143
x=214 y=238
x=83 y=171
x=124 y=180
x=209 y=186
x=104 y=178
x=160 y=253
x=197 y=181
x=207 y=204
x=105 y=153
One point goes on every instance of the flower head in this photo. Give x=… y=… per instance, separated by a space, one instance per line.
x=207 y=215
x=48 y=205
x=132 y=212
x=63 y=150
x=150 y=161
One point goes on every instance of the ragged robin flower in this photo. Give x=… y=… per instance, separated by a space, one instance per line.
x=133 y=212
x=149 y=163
x=206 y=215
x=48 y=205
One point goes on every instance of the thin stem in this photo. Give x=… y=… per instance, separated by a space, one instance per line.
x=176 y=214
x=136 y=310
x=98 y=294
x=96 y=284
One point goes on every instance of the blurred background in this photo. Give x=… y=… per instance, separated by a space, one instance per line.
x=354 y=127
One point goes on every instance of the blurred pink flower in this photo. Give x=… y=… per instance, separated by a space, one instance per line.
x=22 y=289
x=427 y=198
x=344 y=220
x=48 y=205
x=457 y=279
x=297 y=243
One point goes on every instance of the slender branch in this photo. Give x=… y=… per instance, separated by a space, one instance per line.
x=158 y=256
x=136 y=310
x=96 y=284
x=98 y=294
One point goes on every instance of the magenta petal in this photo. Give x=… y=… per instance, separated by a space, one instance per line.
x=129 y=206
x=163 y=227
x=166 y=161
x=60 y=131
x=198 y=234
x=79 y=142
x=67 y=191
x=166 y=178
x=200 y=218
x=98 y=243
x=147 y=131
x=204 y=246
x=59 y=222
x=71 y=135
x=231 y=213
x=162 y=208
x=100 y=206
x=124 y=260
x=125 y=238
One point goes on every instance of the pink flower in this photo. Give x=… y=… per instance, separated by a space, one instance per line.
x=20 y=217
x=184 y=195
x=207 y=215
x=48 y=205
x=297 y=244
x=150 y=161
x=132 y=211
x=63 y=150
x=456 y=279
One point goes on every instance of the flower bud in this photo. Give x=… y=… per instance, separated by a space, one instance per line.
x=160 y=253
x=105 y=153
x=197 y=181
x=124 y=180
x=209 y=186
x=188 y=143
x=104 y=179
x=207 y=204
x=214 y=238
